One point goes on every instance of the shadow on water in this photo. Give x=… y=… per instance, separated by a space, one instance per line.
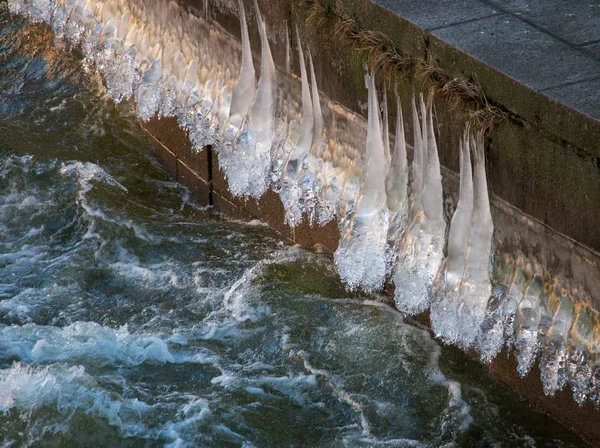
x=130 y=316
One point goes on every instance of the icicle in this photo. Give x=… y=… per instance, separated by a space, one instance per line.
x=527 y=321
x=578 y=362
x=444 y=319
x=421 y=251
x=396 y=182
x=373 y=193
x=288 y=49
x=245 y=87
x=303 y=145
x=360 y=257
x=326 y=180
x=417 y=164
x=476 y=287
x=386 y=130
x=249 y=170
x=491 y=339
x=432 y=198
x=319 y=125
x=291 y=193
x=553 y=364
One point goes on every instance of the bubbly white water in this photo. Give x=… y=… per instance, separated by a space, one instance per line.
x=174 y=64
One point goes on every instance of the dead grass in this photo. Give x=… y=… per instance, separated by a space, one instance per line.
x=394 y=63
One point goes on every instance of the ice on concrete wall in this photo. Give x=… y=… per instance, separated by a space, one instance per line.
x=444 y=308
x=248 y=165
x=294 y=193
x=396 y=181
x=475 y=288
x=174 y=64
x=361 y=255
x=422 y=250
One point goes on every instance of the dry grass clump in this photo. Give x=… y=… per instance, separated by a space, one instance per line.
x=385 y=57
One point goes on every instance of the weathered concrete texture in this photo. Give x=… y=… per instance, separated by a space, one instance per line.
x=574 y=21
x=201 y=174
x=432 y=14
x=593 y=49
x=582 y=95
x=557 y=186
x=521 y=51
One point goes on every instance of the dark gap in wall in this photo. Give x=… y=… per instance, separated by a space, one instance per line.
x=209 y=156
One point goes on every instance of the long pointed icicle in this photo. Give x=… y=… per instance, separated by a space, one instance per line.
x=396 y=182
x=386 y=130
x=373 y=196
x=249 y=172
x=476 y=286
x=327 y=189
x=361 y=255
x=245 y=87
x=262 y=110
x=305 y=132
x=291 y=193
x=421 y=251
x=433 y=201
x=319 y=125
x=288 y=50
x=444 y=319
x=417 y=163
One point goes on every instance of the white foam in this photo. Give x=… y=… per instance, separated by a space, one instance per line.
x=83 y=342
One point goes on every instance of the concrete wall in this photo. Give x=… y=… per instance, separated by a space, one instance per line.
x=545 y=160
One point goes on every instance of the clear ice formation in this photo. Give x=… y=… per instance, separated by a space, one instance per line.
x=244 y=88
x=291 y=190
x=361 y=254
x=248 y=165
x=396 y=181
x=421 y=250
x=444 y=308
x=475 y=288
x=174 y=64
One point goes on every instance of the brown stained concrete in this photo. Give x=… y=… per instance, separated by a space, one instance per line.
x=583 y=420
x=201 y=174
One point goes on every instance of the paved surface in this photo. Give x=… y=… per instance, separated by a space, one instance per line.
x=552 y=46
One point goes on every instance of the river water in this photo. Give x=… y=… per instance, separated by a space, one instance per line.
x=131 y=316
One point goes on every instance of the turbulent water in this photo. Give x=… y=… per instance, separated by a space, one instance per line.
x=129 y=316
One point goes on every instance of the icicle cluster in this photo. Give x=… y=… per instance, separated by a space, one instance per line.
x=390 y=216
